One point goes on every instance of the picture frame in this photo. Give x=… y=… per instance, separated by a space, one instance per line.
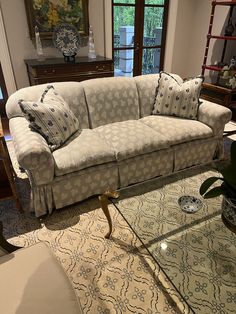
x=46 y=14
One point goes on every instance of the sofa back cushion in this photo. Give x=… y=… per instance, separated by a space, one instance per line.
x=146 y=85
x=72 y=93
x=111 y=100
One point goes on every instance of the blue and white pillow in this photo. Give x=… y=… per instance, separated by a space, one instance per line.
x=51 y=117
x=176 y=97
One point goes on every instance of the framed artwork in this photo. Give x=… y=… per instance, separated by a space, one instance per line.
x=46 y=14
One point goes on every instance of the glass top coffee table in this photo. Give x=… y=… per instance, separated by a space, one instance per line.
x=197 y=252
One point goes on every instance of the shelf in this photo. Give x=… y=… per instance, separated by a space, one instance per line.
x=219 y=88
x=222 y=37
x=224 y=3
x=212 y=67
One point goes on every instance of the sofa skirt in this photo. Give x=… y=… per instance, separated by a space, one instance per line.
x=145 y=167
x=196 y=153
x=73 y=187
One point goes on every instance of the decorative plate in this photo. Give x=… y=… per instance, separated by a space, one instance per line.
x=190 y=204
x=67 y=39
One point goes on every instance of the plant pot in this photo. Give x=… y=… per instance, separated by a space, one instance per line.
x=229 y=212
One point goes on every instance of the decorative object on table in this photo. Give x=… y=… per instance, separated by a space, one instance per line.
x=67 y=40
x=227 y=188
x=91 y=46
x=190 y=204
x=38 y=43
x=46 y=14
x=228 y=72
x=229 y=29
x=232 y=82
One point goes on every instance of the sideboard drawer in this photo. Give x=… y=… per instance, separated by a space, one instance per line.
x=56 y=70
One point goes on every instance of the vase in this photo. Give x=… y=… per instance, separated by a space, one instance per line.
x=39 y=48
x=91 y=46
x=229 y=212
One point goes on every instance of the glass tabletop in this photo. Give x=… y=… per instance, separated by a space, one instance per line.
x=196 y=251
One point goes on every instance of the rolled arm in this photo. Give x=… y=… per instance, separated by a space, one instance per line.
x=32 y=151
x=215 y=116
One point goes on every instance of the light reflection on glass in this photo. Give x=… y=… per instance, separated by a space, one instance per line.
x=163 y=246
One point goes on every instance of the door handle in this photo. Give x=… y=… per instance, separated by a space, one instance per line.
x=136 y=47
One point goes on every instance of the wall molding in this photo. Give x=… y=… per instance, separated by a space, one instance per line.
x=5 y=59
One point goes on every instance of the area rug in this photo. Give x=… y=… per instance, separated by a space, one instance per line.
x=109 y=276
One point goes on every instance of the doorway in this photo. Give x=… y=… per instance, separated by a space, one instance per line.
x=139 y=35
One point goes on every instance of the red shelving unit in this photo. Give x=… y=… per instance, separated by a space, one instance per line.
x=224 y=3
x=223 y=37
x=216 y=92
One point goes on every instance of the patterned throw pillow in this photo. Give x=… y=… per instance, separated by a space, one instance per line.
x=176 y=97
x=51 y=117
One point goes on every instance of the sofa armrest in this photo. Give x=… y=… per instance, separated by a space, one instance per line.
x=32 y=151
x=215 y=116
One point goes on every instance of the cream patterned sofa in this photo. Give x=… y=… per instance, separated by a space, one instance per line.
x=121 y=142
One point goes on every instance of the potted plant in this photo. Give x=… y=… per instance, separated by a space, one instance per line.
x=227 y=187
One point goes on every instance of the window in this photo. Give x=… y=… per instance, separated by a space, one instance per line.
x=139 y=33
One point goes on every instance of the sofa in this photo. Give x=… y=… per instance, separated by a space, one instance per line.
x=32 y=281
x=121 y=142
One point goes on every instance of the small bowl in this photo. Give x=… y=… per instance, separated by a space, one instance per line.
x=190 y=204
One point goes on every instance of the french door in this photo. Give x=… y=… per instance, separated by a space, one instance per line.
x=139 y=34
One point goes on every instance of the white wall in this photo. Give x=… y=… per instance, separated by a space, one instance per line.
x=20 y=45
x=188 y=36
x=5 y=59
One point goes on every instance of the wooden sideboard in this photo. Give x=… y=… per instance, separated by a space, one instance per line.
x=57 y=70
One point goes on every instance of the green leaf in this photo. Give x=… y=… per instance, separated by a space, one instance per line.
x=214 y=192
x=207 y=183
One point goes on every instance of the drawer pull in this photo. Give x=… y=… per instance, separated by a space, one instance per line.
x=49 y=71
x=100 y=68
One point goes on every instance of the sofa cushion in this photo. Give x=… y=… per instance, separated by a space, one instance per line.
x=111 y=100
x=131 y=138
x=83 y=150
x=177 y=97
x=178 y=130
x=32 y=281
x=147 y=85
x=51 y=117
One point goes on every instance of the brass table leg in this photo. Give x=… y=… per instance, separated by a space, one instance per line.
x=104 y=205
